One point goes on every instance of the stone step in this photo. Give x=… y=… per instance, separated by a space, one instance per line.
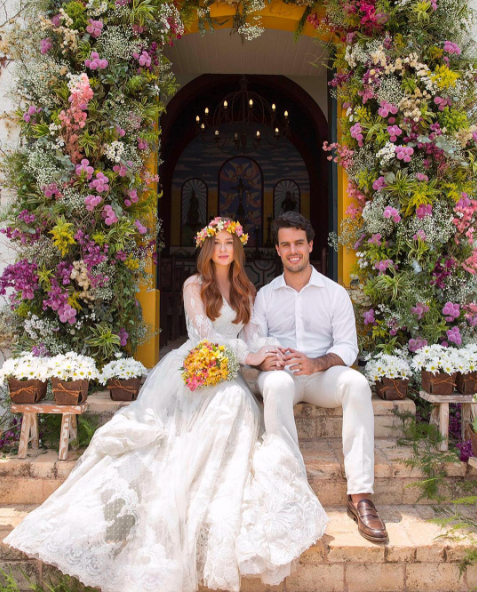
x=33 y=479
x=311 y=421
x=417 y=559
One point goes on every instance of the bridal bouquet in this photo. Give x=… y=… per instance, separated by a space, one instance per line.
x=208 y=364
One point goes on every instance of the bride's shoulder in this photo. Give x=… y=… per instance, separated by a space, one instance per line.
x=193 y=280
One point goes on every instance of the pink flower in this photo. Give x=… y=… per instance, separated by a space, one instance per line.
x=452 y=48
x=416 y=344
x=394 y=131
x=404 y=153
x=45 y=45
x=92 y=201
x=85 y=167
x=120 y=131
x=357 y=133
x=420 y=235
x=390 y=212
x=451 y=311
x=133 y=195
x=422 y=177
x=381 y=266
x=123 y=336
x=67 y=314
x=424 y=210
x=100 y=184
x=120 y=169
x=56 y=20
x=94 y=62
x=109 y=215
x=386 y=109
x=420 y=310
x=375 y=240
x=379 y=184
x=140 y=227
x=369 y=317
x=454 y=335
x=94 y=28
x=142 y=144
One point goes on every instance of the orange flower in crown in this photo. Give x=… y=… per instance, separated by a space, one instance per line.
x=218 y=224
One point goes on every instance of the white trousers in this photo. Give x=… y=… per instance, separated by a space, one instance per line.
x=335 y=387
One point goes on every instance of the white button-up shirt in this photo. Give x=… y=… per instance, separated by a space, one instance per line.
x=316 y=321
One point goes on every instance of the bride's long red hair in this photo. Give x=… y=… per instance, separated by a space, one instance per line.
x=242 y=291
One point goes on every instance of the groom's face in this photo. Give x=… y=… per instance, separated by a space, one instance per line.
x=293 y=248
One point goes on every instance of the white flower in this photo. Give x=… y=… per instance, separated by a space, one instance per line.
x=122 y=368
x=388 y=366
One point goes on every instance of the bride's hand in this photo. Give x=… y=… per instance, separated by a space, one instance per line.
x=265 y=353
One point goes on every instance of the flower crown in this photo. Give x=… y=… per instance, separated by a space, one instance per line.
x=218 y=224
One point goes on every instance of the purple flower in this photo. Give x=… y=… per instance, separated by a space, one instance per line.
x=454 y=335
x=415 y=344
x=92 y=201
x=39 y=351
x=26 y=217
x=45 y=45
x=140 y=227
x=465 y=450
x=420 y=310
x=357 y=133
x=85 y=167
x=22 y=277
x=422 y=177
x=451 y=311
x=109 y=215
x=369 y=317
x=100 y=184
x=123 y=336
x=375 y=240
x=420 y=235
x=67 y=314
x=95 y=62
x=51 y=190
x=394 y=131
x=404 y=153
x=452 y=48
x=381 y=266
x=386 y=109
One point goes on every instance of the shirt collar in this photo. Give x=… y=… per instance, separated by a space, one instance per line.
x=315 y=280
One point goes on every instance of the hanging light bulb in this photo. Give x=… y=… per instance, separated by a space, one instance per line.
x=250 y=103
x=286 y=114
x=258 y=134
x=217 y=133
x=197 y=119
x=202 y=126
x=277 y=131
x=274 y=107
x=226 y=104
x=206 y=110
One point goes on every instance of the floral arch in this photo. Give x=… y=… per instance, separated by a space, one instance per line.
x=91 y=76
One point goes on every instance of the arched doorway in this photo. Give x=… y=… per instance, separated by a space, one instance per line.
x=255 y=187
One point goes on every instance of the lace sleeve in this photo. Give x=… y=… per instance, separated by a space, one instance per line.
x=200 y=327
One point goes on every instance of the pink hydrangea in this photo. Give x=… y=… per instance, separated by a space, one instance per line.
x=452 y=48
x=357 y=133
x=123 y=336
x=394 y=131
x=101 y=183
x=92 y=201
x=379 y=184
x=67 y=314
x=424 y=210
x=422 y=177
x=386 y=109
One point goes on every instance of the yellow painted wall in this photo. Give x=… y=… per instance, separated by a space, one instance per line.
x=276 y=15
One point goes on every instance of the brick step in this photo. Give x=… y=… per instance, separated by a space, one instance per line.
x=415 y=560
x=311 y=421
x=33 y=479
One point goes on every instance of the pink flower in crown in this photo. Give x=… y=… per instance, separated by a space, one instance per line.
x=239 y=230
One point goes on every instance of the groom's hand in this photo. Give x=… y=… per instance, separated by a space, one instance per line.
x=300 y=364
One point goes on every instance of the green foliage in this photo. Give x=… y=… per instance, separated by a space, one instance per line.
x=102 y=343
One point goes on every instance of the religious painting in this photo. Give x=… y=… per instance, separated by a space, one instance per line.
x=286 y=197
x=241 y=195
x=194 y=195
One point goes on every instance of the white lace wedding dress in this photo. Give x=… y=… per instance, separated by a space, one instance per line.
x=181 y=488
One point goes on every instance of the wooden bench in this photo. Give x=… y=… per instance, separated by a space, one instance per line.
x=440 y=413
x=29 y=432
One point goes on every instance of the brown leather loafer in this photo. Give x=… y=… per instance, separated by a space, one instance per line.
x=370 y=525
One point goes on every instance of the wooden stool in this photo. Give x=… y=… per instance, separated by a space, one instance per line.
x=69 y=426
x=440 y=413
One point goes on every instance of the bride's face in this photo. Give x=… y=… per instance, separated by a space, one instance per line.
x=223 y=249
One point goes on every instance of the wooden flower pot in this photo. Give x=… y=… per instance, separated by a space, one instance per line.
x=122 y=389
x=392 y=389
x=438 y=384
x=69 y=392
x=467 y=383
x=27 y=391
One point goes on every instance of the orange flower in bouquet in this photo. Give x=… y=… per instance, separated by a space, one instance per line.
x=208 y=364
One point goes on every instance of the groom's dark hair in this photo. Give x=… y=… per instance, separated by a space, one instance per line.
x=293 y=220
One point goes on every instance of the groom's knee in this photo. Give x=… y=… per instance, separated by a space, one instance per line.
x=355 y=384
x=276 y=384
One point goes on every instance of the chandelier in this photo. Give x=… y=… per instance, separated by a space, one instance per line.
x=243 y=122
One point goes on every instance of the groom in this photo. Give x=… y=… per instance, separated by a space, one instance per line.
x=312 y=317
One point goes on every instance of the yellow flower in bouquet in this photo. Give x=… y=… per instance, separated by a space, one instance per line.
x=208 y=364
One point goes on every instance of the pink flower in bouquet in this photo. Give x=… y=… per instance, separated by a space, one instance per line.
x=67 y=314
x=379 y=184
x=387 y=109
x=404 y=153
x=394 y=131
x=101 y=183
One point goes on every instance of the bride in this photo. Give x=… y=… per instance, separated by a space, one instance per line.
x=184 y=488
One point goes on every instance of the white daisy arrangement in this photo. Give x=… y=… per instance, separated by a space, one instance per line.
x=437 y=358
x=25 y=367
x=467 y=362
x=73 y=366
x=123 y=369
x=383 y=365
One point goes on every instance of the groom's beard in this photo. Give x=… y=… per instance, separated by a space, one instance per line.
x=296 y=267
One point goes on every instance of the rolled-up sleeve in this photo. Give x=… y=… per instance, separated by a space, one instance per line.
x=345 y=339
